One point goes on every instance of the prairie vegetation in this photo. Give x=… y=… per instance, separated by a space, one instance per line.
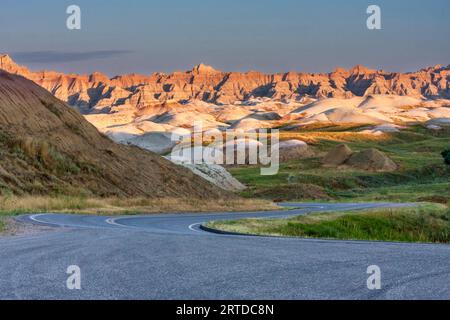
x=426 y=223
x=421 y=176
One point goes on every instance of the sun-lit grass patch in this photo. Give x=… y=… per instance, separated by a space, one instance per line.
x=425 y=223
x=345 y=136
x=13 y=205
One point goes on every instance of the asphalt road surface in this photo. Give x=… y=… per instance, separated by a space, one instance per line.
x=169 y=257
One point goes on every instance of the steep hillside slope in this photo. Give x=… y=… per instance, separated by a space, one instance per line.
x=47 y=147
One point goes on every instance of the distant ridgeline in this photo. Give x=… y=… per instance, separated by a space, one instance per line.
x=209 y=85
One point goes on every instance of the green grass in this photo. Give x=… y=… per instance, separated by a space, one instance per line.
x=422 y=174
x=2 y=224
x=438 y=192
x=425 y=223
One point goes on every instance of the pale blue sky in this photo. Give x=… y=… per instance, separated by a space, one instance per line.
x=267 y=35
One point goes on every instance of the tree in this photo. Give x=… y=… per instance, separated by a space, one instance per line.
x=446 y=156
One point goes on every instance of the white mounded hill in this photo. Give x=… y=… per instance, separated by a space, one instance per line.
x=349 y=115
x=373 y=109
x=323 y=105
x=231 y=114
x=187 y=119
x=388 y=102
x=250 y=124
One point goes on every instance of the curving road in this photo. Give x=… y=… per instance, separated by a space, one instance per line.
x=169 y=257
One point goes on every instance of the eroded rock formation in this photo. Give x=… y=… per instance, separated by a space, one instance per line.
x=93 y=93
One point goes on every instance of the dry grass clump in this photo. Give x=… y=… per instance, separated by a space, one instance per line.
x=44 y=154
x=316 y=137
x=115 y=206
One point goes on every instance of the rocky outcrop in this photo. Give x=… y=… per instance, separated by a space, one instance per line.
x=371 y=160
x=292 y=150
x=337 y=156
x=93 y=93
x=216 y=174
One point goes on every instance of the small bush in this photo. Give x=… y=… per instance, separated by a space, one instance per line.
x=446 y=156
x=46 y=155
x=52 y=107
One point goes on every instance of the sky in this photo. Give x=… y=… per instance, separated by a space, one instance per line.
x=137 y=36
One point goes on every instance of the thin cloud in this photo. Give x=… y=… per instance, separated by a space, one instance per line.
x=58 y=57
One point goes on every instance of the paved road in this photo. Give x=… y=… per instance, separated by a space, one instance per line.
x=168 y=257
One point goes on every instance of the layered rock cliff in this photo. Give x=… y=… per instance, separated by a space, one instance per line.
x=93 y=93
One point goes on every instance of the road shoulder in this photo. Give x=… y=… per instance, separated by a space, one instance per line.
x=14 y=227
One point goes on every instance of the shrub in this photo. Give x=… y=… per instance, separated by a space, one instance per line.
x=52 y=107
x=45 y=154
x=446 y=156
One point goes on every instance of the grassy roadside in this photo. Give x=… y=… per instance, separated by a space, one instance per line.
x=2 y=224
x=425 y=223
x=13 y=205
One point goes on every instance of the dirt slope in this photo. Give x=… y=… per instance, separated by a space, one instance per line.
x=47 y=147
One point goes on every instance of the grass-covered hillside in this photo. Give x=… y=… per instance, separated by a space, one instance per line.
x=421 y=176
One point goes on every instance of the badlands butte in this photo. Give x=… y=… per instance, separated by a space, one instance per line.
x=128 y=106
x=209 y=85
x=96 y=92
